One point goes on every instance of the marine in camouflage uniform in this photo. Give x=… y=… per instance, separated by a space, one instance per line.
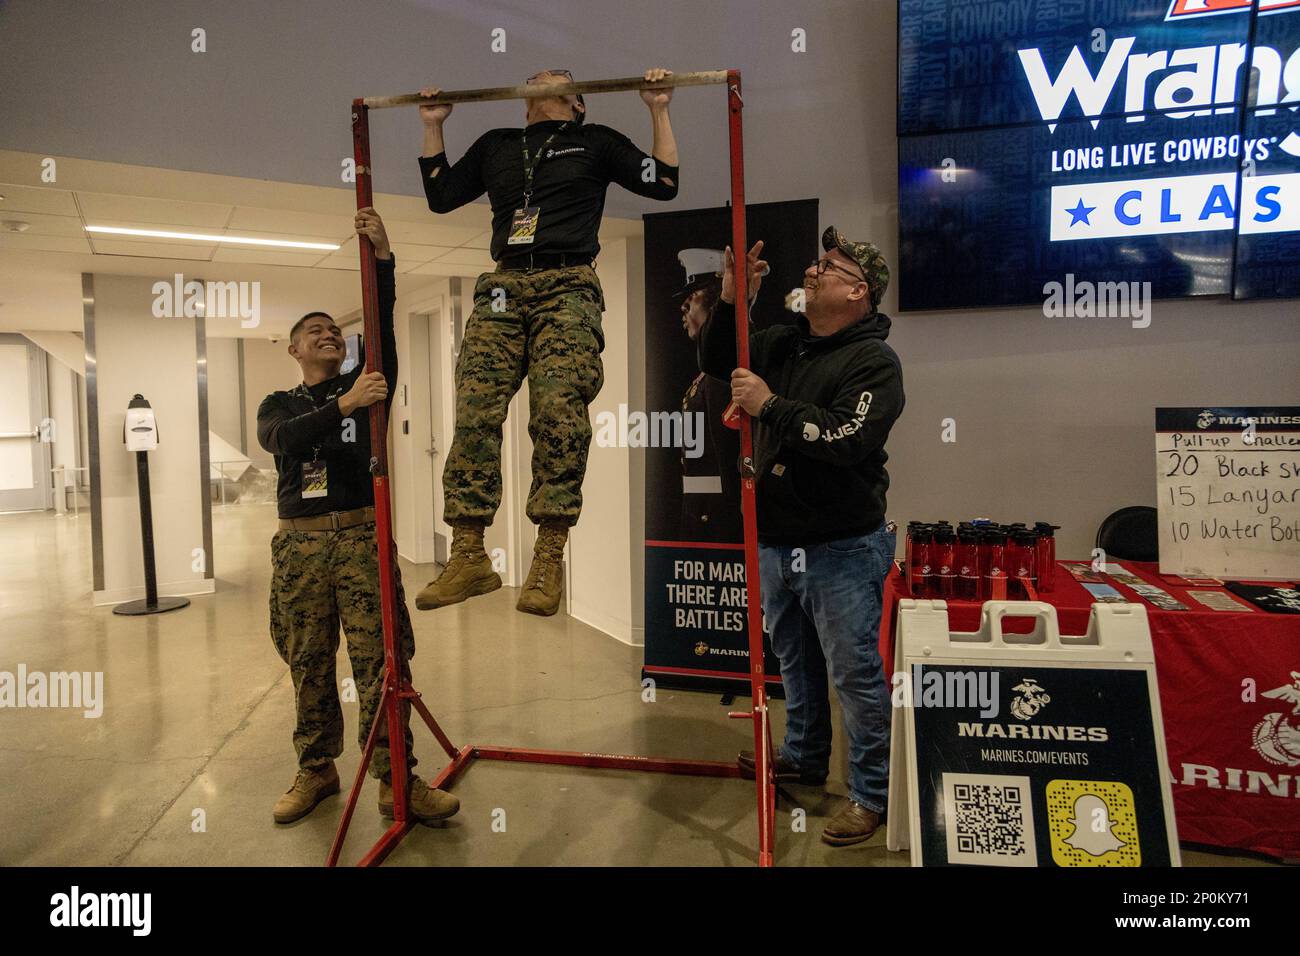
x=545 y=326
x=320 y=580
x=536 y=317
x=325 y=555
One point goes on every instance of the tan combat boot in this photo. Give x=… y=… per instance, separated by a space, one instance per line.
x=545 y=583
x=309 y=788
x=468 y=572
x=426 y=804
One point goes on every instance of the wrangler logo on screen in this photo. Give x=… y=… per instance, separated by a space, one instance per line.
x=1184 y=9
x=1182 y=183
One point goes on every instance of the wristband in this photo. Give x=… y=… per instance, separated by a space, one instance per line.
x=763 y=409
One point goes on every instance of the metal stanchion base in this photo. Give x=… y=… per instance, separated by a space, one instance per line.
x=142 y=606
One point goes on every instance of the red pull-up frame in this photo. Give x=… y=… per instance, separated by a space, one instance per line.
x=397 y=688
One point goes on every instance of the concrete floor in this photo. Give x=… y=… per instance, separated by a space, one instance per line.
x=198 y=715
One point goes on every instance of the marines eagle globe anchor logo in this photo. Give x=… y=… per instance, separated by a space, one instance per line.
x=1030 y=699
x=1205 y=419
x=1275 y=738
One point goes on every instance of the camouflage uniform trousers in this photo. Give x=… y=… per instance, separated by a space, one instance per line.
x=544 y=325
x=320 y=579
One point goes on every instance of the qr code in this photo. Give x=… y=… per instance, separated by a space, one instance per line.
x=989 y=820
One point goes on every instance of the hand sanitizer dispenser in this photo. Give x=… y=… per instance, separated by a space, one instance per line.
x=140 y=430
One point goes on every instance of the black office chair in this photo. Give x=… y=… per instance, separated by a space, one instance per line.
x=1130 y=533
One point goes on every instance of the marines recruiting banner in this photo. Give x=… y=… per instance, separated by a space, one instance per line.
x=1153 y=145
x=1065 y=774
x=695 y=600
x=1028 y=750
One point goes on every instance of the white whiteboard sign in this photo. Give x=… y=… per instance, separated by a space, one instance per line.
x=1228 y=492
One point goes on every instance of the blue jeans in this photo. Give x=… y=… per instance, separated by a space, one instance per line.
x=822 y=609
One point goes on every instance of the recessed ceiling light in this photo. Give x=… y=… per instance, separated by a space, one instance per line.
x=201 y=237
x=14 y=225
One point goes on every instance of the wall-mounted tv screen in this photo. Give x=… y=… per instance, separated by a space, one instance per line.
x=1055 y=141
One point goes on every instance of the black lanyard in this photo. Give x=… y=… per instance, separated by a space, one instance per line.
x=305 y=392
x=530 y=168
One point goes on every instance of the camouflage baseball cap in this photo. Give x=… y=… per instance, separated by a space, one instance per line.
x=867 y=256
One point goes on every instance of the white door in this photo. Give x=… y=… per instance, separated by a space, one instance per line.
x=441 y=410
x=24 y=457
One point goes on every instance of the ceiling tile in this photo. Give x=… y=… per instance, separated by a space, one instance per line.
x=268 y=257
x=98 y=208
x=412 y=254
x=444 y=269
x=40 y=224
x=52 y=202
x=477 y=258
x=154 y=249
x=26 y=242
x=432 y=233
x=327 y=228
x=340 y=261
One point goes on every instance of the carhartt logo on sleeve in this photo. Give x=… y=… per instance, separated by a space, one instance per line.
x=810 y=431
x=850 y=427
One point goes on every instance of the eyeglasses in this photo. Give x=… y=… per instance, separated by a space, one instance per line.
x=564 y=73
x=826 y=262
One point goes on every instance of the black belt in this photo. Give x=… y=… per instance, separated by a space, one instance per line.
x=543 y=260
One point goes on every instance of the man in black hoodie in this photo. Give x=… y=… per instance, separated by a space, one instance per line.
x=823 y=394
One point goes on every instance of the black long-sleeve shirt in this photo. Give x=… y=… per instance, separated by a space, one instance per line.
x=569 y=182
x=819 y=449
x=305 y=424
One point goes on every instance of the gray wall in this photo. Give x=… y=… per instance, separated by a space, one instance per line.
x=1054 y=418
x=267 y=368
x=223 y=389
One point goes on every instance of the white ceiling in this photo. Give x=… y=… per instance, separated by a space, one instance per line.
x=41 y=267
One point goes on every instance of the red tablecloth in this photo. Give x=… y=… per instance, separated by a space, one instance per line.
x=1234 y=753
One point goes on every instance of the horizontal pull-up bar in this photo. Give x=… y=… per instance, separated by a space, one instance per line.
x=704 y=78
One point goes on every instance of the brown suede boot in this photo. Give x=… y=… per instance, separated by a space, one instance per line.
x=426 y=804
x=545 y=583
x=468 y=571
x=309 y=788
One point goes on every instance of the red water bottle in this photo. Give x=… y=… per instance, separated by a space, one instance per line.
x=968 y=565
x=1022 y=558
x=944 y=562
x=922 y=581
x=1045 y=548
x=993 y=566
x=908 y=555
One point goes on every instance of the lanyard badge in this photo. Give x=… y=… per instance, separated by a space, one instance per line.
x=315 y=478
x=523 y=226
